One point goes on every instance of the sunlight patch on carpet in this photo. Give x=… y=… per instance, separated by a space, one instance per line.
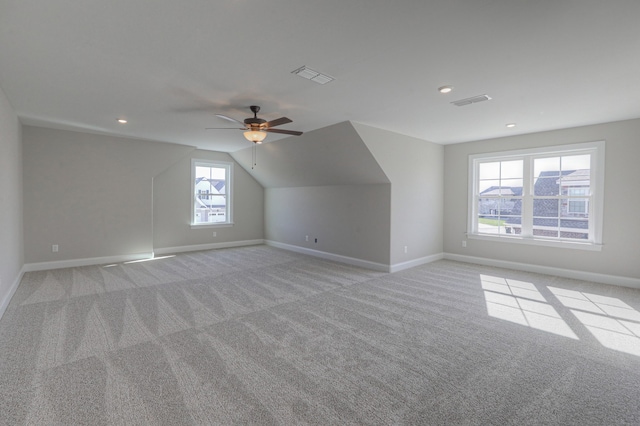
x=615 y=324
x=521 y=303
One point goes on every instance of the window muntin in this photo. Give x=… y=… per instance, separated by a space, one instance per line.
x=211 y=193
x=552 y=194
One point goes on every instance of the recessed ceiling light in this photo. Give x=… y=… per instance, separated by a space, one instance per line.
x=122 y=121
x=511 y=125
x=445 y=89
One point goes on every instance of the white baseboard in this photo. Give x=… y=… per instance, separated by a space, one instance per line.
x=331 y=256
x=549 y=270
x=12 y=290
x=73 y=263
x=397 y=267
x=212 y=246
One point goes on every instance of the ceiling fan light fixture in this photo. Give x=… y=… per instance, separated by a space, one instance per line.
x=255 y=136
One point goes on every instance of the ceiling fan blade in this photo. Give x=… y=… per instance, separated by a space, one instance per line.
x=224 y=117
x=225 y=128
x=278 y=122
x=286 y=132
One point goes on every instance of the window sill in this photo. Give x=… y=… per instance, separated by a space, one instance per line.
x=211 y=225
x=538 y=242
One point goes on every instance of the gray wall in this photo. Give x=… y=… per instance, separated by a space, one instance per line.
x=347 y=220
x=333 y=155
x=333 y=183
x=621 y=227
x=325 y=184
x=11 y=237
x=374 y=192
x=414 y=168
x=172 y=206
x=101 y=196
x=90 y=194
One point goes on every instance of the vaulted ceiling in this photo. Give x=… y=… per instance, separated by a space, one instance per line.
x=168 y=66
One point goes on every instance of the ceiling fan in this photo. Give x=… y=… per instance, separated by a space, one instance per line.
x=256 y=128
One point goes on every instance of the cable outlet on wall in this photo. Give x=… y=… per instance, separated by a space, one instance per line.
x=54 y=248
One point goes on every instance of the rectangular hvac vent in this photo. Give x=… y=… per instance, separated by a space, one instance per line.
x=472 y=100
x=312 y=75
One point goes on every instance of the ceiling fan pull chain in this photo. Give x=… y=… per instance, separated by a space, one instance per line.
x=254 y=156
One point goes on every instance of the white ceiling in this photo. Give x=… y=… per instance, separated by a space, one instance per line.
x=168 y=66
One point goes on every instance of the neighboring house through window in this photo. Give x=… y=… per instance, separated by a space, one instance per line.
x=211 y=192
x=549 y=196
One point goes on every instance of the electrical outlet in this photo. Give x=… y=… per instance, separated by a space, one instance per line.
x=215 y=234
x=54 y=248
x=464 y=243
x=306 y=238
x=316 y=240
x=406 y=249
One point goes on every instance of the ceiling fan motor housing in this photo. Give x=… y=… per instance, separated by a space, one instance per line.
x=255 y=121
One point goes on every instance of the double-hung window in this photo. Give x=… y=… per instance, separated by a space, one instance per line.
x=548 y=196
x=211 y=193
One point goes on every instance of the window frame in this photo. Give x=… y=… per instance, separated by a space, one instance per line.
x=228 y=193
x=595 y=202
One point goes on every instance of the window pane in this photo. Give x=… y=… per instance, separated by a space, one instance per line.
x=510 y=206
x=575 y=228
x=546 y=185
x=550 y=166
x=489 y=207
x=571 y=224
x=575 y=235
x=548 y=232
x=489 y=187
x=576 y=162
x=488 y=224
x=512 y=224
x=546 y=208
x=511 y=187
x=499 y=216
x=202 y=172
x=576 y=182
x=489 y=170
x=511 y=169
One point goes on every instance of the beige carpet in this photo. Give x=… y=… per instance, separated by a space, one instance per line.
x=258 y=335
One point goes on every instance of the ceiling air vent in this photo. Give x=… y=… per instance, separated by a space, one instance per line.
x=312 y=75
x=472 y=100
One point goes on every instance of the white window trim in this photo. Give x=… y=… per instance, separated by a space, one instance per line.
x=596 y=207
x=229 y=182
